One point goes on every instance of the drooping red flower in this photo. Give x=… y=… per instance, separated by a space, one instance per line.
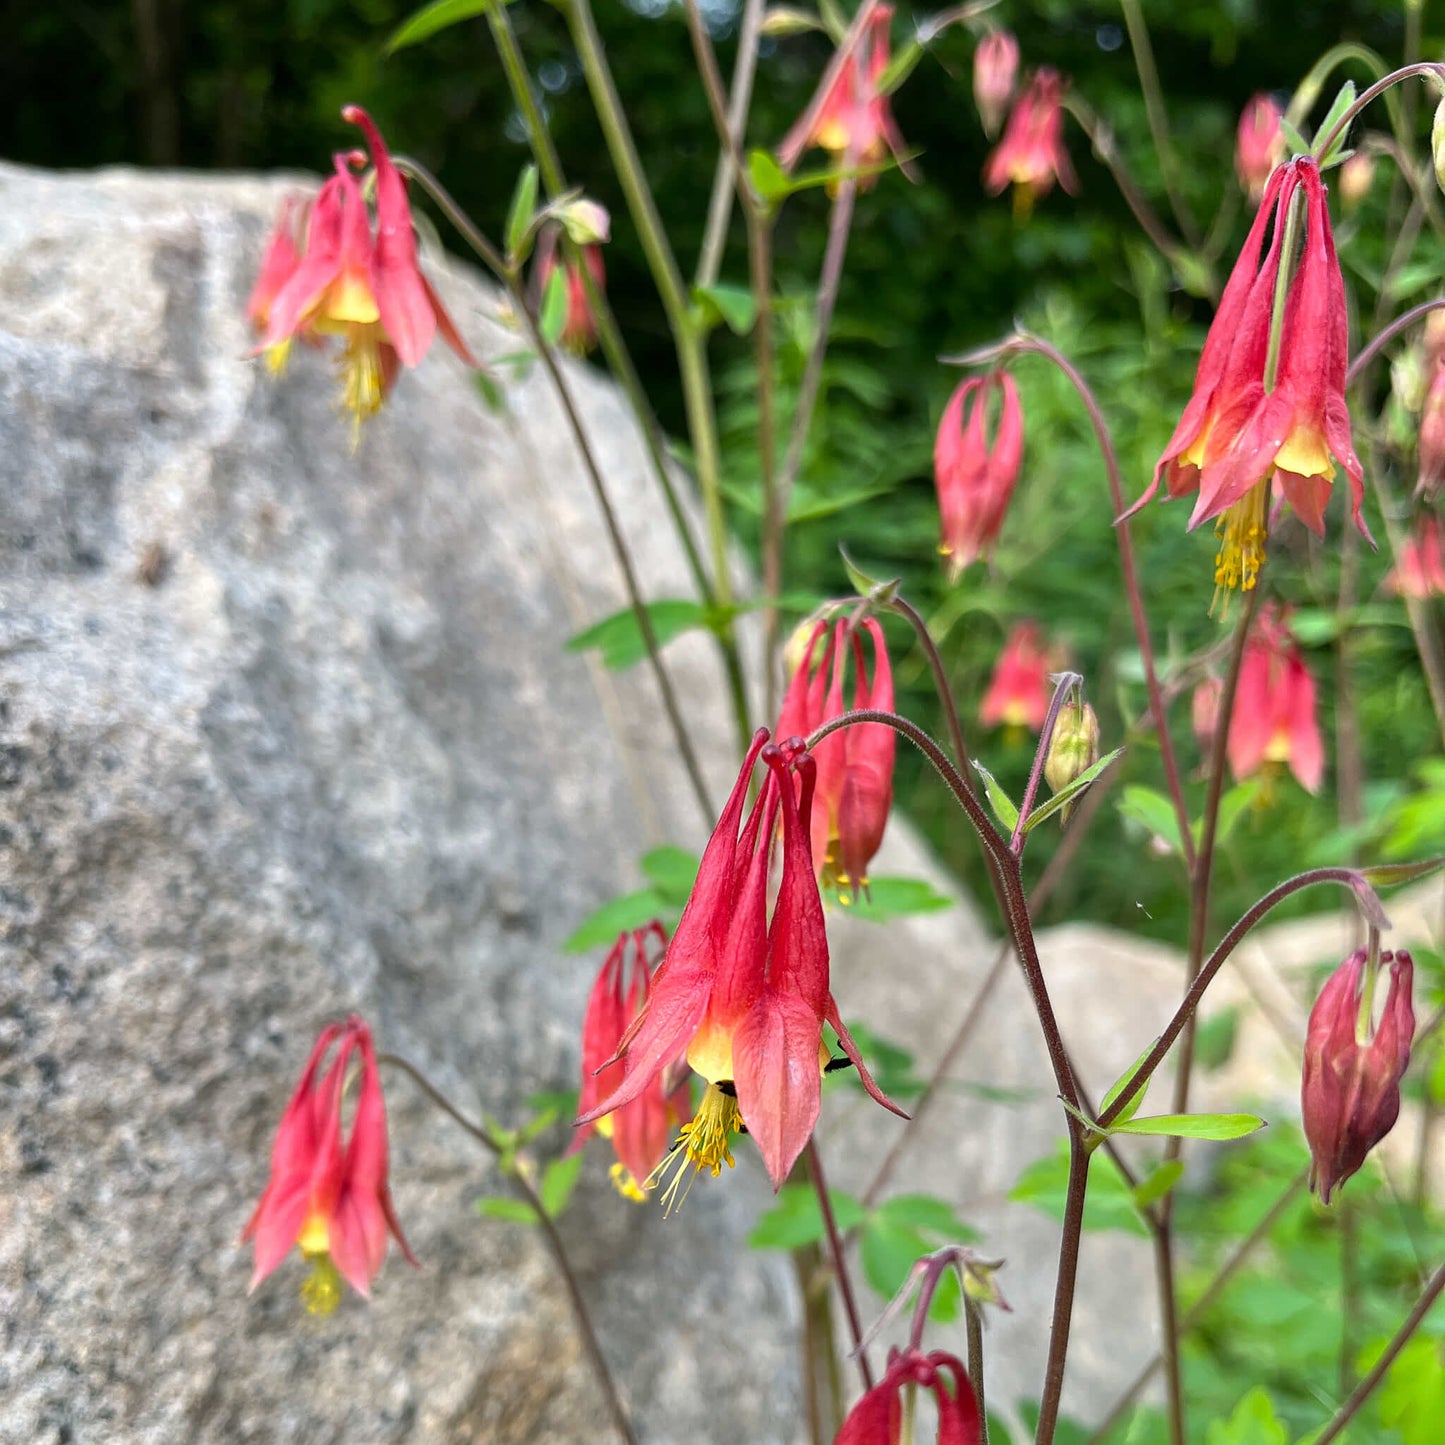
x=1031 y=153
x=579 y=332
x=278 y=265
x=976 y=480
x=855 y=764
x=367 y=290
x=995 y=69
x=328 y=1192
x=1259 y=145
x=1274 y=706
x=851 y=118
x=639 y=1131
x=1236 y=433
x=1019 y=693
x=1419 y=569
x=744 y=999
x=877 y=1419
x=1350 y=1089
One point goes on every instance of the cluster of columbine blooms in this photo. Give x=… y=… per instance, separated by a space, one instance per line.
x=741 y=998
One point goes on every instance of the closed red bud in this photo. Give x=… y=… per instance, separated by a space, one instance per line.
x=1432 y=434
x=1350 y=1091
x=1259 y=144
x=1419 y=569
x=995 y=68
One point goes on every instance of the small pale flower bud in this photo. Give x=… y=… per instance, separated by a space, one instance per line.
x=1073 y=749
x=586 y=222
x=1357 y=175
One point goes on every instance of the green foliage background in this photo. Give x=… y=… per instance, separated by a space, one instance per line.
x=933 y=269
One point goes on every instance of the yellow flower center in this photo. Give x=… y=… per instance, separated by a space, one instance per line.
x=1241 y=530
x=702 y=1143
x=322 y=1288
x=362 y=380
x=277 y=356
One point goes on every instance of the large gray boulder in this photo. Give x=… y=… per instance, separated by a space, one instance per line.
x=287 y=731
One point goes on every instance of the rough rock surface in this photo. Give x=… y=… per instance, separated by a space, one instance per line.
x=331 y=754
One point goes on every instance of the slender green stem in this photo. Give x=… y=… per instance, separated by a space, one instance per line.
x=1402 y=1336
x=1158 y=117
x=691 y=351
x=1324 y=143
x=720 y=205
x=555 y=1247
x=1383 y=338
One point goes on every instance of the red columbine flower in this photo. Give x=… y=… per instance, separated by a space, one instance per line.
x=1274 y=706
x=328 y=1193
x=877 y=1419
x=1351 y=1079
x=639 y=1131
x=995 y=68
x=1419 y=570
x=1259 y=146
x=278 y=265
x=1031 y=153
x=976 y=480
x=745 y=1000
x=855 y=764
x=1234 y=434
x=369 y=291
x=579 y=332
x=853 y=120
x=1018 y=695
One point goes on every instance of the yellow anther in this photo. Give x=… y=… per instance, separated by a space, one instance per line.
x=1242 y=531
x=625 y=1183
x=322 y=1288
x=702 y=1143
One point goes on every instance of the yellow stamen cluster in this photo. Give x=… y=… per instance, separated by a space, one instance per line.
x=1241 y=530
x=702 y=1143
x=625 y=1183
x=322 y=1287
x=361 y=376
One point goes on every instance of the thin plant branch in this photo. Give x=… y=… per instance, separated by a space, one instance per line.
x=523 y=1185
x=840 y=1263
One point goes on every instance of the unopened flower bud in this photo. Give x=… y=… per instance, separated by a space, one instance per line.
x=586 y=222
x=1432 y=435
x=980 y=1279
x=1357 y=175
x=1350 y=1089
x=1073 y=749
x=782 y=20
x=995 y=69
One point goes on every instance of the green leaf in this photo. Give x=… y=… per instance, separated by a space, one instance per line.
x=493 y=397
x=430 y=18
x=1192 y=1126
x=1254 y=1422
x=553 y=319
x=732 y=305
x=1158 y=1182
x=1069 y=791
x=1342 y=102
x=923 y=1211
x=1232 y=807
x=512 y=1210
x=1154 y=811
x=559 y=1179
x=620 y=637
x=672 y=871
x=998 y=800
x=1108 y=1204
x=618 y=915
x=864 y=584
x=522 y=212
x=1297 y=144
x=1122 y=1083
x=768 y=177
x=1389 y=875
x=896 y=898
x=1412 y=1398
x=795 y=1219
x=889 y=1250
